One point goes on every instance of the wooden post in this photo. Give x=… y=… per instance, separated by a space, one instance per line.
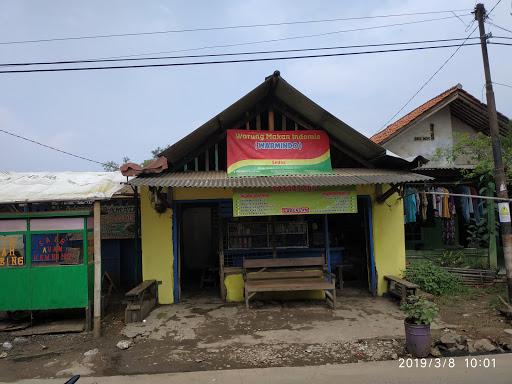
x=270 y=120
x=500 y=178
x=97 y=270
x=283 y=122
x=258 y=122
x=221 y=261
x=327 y=245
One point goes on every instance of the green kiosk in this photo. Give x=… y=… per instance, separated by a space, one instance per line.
x=46 y=260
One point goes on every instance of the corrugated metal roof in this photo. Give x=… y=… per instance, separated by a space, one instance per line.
x=338 y=177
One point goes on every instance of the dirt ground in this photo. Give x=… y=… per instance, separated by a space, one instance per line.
x=208 y=335
x=474 y=315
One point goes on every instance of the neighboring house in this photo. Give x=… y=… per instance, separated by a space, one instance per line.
x=199 y=221
x=47 y=240
x=435 y=125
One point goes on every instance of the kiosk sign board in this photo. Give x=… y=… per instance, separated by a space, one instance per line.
x=12 y=250
x=261 y=202
x=267 y=153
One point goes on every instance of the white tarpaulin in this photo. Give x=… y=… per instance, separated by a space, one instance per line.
x=21 y=187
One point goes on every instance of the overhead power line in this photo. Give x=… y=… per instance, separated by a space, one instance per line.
x=287 y=38
x=85 y=61
x=228 y=27
x=250 y=60
x=430 y=79
x=502 y=84
x=50 y=147
x=497 y=26
x=437 y=71
x=499 y=43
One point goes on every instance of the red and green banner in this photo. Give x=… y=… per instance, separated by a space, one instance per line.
x=267 y=153
x=294 y=201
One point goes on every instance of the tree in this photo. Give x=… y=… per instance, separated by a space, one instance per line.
x=112 y=166
x=477 y=150
x=155 y=152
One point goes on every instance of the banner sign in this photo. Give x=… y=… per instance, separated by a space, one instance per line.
x=267 y=153
x=118 y=221
x=293 y=201
x=12 y=250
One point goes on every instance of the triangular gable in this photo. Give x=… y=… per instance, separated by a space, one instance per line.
x=463 y=105
x=277 y=94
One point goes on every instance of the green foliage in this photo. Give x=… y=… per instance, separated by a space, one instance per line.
x=112 y=166
x=154 y=153
x=477 y=150
x=419 y=310
x=433 y=279
x=477 y=233
x=449 y=258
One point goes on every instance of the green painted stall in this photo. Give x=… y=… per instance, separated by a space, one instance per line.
x=46 y=260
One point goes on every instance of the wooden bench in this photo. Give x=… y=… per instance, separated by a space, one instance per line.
x=400 y=288
x=288 y=274
x=140 y=301
x=474 y=276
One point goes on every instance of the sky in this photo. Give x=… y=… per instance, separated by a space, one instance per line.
x=106 y=115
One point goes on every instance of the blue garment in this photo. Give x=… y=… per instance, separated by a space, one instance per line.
x=466 y=203
x=410 y=205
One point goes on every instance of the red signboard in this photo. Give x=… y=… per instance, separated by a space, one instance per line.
x=265 y=153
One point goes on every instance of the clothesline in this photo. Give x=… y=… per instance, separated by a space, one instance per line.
x=465 y=195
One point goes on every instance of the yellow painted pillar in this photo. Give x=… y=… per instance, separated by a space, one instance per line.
x=157 y=247
x=388 y=238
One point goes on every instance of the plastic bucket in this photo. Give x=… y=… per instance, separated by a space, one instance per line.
x=418 y=339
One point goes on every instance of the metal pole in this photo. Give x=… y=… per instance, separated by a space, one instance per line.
x=499 y=173
x=97 y=270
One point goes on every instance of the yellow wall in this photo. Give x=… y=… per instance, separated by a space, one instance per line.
x=157 y=262
x=157 y=259
x=388 y=239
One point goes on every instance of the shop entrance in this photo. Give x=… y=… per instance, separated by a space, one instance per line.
x=350 y=247
x=198 y=257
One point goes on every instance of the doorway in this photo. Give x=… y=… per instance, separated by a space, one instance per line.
x=351 y=233
x=198 y=272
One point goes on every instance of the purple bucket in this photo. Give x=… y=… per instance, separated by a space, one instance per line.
x=418 y=339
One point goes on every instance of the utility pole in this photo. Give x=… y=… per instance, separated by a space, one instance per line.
x=499 y=172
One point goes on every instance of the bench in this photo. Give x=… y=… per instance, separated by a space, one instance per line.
x=288 y=274
x=140 y=301
x=400 y=288
x=474 y=276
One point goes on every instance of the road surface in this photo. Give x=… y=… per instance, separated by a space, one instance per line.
x=384 y=372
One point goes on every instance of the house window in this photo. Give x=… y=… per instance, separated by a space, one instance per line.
x=426 y=138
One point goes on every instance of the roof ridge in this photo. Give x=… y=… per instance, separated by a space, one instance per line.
x=393 y=128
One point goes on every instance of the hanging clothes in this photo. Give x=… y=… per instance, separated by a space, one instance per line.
x=445 y=211
x=466 y=203
x=448 y=231
x=478 y=210
x=424 y=205
x=410 y=205
x=430 y=207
